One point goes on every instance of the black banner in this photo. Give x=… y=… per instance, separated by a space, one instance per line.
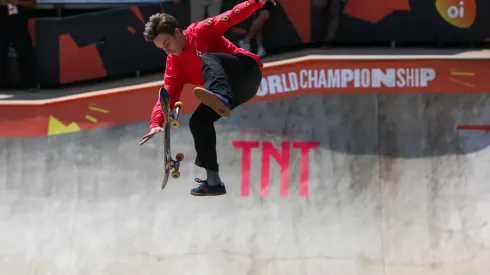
x=110 y=43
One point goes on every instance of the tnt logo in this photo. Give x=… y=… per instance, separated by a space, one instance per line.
x=283 y=157
x=459 y=13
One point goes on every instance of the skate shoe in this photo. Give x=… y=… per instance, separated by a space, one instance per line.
x=220 y=104
x=204 y=189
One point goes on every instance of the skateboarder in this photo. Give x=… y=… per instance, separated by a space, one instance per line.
x=201 y=55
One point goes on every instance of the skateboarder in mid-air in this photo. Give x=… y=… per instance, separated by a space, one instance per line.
x=202 y=56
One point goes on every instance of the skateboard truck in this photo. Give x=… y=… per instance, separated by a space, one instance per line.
x=176 y=165
x=175 y=115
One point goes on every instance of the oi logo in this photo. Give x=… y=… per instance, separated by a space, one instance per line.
x=459 y=13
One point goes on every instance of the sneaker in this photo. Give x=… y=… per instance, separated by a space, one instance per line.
x=244 y=45
x=204 y=189
x=217 y=102
x=261 y=52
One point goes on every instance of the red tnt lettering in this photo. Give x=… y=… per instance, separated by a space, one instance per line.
x=304 y=164
x=247 y=147
x=282 y=157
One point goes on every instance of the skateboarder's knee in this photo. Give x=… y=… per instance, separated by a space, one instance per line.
x=208 y=57
x=210 y=61
x=205 y=59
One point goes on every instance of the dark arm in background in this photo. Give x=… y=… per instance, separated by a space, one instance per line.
x=219 y=24
x=23 y=3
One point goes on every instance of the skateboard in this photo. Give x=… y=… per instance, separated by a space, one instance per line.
x=170 y=119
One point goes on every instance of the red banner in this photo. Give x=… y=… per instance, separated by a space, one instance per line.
x=309 y=75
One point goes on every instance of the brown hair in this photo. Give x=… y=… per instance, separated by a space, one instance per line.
x=160 y=23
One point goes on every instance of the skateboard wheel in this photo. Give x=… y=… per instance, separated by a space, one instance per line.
x=178 y=104
x=175 y=174
x=179 y=157
x=175 y=123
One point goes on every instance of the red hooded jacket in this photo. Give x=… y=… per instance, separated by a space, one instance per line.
x=205 y=36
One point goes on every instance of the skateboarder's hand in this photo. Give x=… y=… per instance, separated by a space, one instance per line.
x=153 y=131
x=171 y=114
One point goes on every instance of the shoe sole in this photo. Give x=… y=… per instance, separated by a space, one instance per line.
x=209 y=99
x=207 y=194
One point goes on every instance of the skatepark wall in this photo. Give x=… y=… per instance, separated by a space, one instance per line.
x=109 y=44
x=342 y=165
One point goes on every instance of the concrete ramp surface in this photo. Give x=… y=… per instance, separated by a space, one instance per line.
x=384 y=185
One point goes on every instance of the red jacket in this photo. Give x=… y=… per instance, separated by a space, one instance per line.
x=204 y=36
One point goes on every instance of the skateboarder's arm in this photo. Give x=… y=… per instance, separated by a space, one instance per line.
x=219 y=24
x=173 y=84
x=157 y=118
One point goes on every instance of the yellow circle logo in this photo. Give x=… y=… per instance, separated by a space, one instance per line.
x=459 y=13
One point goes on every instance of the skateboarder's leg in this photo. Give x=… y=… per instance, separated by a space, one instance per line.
x=201 y=125
x=248 y=82
x=223 y=76
x=217 y=68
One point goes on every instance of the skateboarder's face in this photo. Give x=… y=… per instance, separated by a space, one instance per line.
x=171 y=44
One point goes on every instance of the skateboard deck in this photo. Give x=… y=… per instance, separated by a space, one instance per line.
x=170 y=119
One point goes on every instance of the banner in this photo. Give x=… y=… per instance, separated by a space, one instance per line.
x=289 y=78
x=89 y=46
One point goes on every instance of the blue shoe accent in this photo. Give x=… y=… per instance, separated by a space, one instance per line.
x=204 y=189
x=223 y=99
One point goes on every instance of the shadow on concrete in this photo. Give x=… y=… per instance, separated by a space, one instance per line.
x=398 y=126
x=404 y=125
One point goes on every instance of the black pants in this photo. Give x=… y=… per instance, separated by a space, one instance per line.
x=25 y=57
x=237 y=77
